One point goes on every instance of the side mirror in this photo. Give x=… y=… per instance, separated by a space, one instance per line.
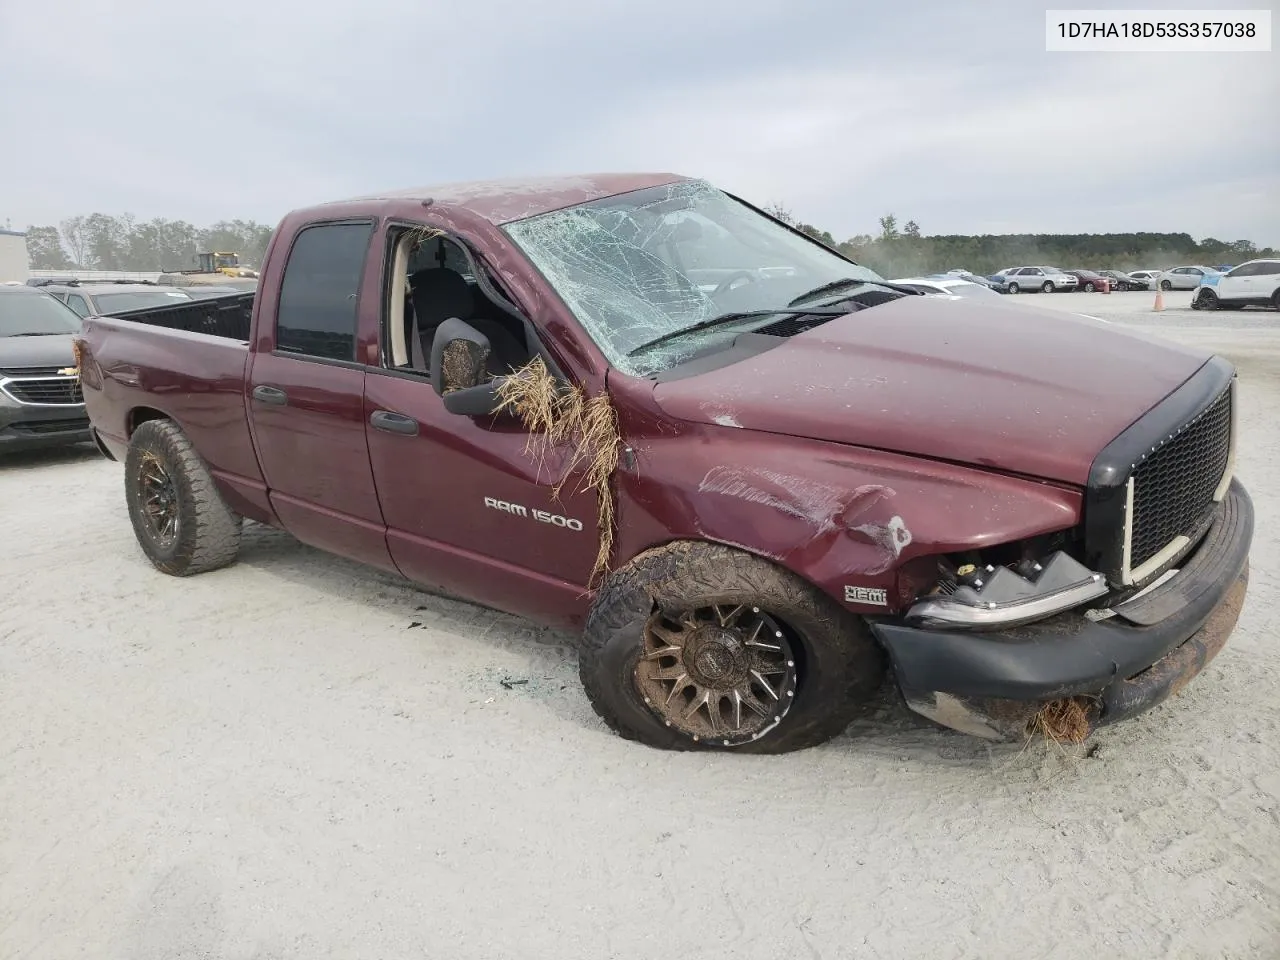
x=460 y=369
x=459 y=357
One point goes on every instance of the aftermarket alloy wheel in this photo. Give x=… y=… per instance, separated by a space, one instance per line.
x=700 y=646
x=724 y=675
x=181 y=521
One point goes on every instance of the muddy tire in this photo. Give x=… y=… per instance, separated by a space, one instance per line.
x=181 y=521
x=769 y=664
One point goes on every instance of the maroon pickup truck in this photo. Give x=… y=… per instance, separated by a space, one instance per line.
x=754 y=474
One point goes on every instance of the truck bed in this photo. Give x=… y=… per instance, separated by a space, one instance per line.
x=228 y=316
x=188 y=363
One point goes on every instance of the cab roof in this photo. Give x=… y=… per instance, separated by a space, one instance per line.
x=506 y=200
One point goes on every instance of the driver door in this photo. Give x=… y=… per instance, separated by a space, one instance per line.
x=470 y=508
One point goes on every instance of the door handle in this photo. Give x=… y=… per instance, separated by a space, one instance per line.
x=390 y=422
x=270 y=395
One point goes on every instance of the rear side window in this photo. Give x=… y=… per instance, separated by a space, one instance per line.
x=76 y=303
x=317 y=313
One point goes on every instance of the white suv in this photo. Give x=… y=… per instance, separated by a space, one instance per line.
x=1256 y=282
x=1045 y=279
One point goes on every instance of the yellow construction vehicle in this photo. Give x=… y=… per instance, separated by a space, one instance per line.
x=210 y=268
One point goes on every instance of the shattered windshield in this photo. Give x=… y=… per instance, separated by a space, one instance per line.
x=643 y=265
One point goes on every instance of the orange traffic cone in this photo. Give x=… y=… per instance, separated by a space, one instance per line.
x=1159 y=299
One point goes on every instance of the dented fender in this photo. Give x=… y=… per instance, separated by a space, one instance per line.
x=845 y=518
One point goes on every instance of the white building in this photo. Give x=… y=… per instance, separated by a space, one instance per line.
x=14 y=263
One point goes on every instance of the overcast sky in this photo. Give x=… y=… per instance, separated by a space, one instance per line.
x=947 y=113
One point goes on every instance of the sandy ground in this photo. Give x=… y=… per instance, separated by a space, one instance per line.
x=298 y=757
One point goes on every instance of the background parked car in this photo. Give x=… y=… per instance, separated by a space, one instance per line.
x=1187 y=278
x=1151 y=276
x=205 y=291
x=964 y=275
x=100 y=298
x=1256 y=283
x=1126 y=281
x=1043 y=279
x=41 y=404
x=1089 y=280
x=947 y=286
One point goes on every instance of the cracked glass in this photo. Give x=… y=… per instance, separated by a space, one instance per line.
x=649 y=263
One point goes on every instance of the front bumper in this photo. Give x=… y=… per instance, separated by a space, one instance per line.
x=31 y=427
x=1121 y=662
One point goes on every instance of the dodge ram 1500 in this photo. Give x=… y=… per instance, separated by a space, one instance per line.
x=752 y=472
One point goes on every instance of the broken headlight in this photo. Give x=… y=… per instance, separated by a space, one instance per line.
x=978 y=597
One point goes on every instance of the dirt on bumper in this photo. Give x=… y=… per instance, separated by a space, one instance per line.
x=1070 y=675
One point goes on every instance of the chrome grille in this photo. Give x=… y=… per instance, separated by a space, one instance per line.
x=1174 y=487
x=46 y=390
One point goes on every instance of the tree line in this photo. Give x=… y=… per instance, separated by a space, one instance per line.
x=904 y=251
x=103 y=242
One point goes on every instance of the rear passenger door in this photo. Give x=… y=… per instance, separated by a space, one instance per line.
x=306 y=396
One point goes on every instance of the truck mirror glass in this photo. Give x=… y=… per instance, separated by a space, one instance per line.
x=459 y=357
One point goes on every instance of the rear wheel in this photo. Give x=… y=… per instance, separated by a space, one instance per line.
x=1089 y=288
x=181 y=521
x=699 y=646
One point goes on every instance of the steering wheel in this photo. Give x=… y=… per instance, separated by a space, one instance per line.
x=727 y=283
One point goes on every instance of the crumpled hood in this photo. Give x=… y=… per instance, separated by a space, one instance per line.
x=987 y=382
x=55 y=350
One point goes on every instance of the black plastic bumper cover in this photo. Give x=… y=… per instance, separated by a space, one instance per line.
x=1131 y=664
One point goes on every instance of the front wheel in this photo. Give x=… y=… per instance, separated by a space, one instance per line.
x=699 y=646
x=1166 y=285
x=181 y=521
x=1013 y=288
x=1047 y=287
x=1088 y=288
x=1205 y=300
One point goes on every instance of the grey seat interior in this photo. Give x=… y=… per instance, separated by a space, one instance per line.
x=438 y=294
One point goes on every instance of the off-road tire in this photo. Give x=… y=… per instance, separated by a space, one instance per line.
x=840 y=666
x=208 y=531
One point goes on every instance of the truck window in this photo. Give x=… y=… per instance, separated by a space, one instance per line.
x=317 y=313
x=76 y=303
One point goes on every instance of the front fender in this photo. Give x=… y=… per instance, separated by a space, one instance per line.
x=846 y=519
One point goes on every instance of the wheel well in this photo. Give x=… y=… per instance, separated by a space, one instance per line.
x=140 y=415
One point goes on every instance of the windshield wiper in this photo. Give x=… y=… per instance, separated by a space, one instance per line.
x=30 y=334
x=724 y=318
x=846 y=282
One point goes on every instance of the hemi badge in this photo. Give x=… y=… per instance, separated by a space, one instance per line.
x=871 y=595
